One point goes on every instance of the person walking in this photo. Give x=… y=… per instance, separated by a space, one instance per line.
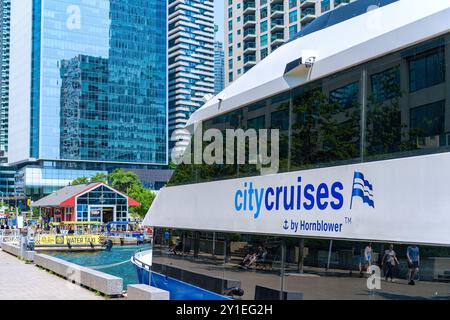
x=368 y=255
x=389 y=262
x=357 y=258
x=412 y=253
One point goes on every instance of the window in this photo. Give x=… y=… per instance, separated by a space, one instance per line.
x=239 y=71
x=239 y=32
x=257 y=123
x=239 y=58
x=239 y=45
x=230 y=38
x=230 y=51
x=346 y=96
x=230 y=12
x=263 y=13
x=263 y=40
x=427 y=69
x=292 y=4
x=230 y=25
x=428 y=120
x=238 y=19
x=292 y=31
x=263 y=26
x=230 y=64
x=238 y=6
x=264 y=53
x=230 y=2
x=325 y=5
x=293 y=16
x=230 y=77
x=386 y=84
x=263 y=2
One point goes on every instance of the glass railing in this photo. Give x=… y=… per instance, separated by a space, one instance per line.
x=249 y=5
x=249 y=19
x=251 y=58
x=250 y=45
x=308 y=11
x=277 y=22
x=277 y=36
x=249 y=32
x=277 y=7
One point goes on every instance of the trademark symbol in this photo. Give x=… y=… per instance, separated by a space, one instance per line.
x=348 y=220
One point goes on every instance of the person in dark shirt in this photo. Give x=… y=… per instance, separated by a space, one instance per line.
x=357 y=258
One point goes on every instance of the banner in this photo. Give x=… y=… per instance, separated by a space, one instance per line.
x=59 y=240
x=402 y=200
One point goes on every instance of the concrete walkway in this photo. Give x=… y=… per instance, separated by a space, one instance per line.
x=20 y=281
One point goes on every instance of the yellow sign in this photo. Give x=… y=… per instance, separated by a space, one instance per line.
x=56 y=240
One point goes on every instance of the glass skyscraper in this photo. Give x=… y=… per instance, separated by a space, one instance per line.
x=88 y=86
x=191 y=58
x=5 y=11
x=219 y=67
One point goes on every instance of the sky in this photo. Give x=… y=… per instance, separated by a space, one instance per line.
x=218 y=17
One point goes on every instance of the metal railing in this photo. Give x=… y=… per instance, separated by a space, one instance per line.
x=10 y=236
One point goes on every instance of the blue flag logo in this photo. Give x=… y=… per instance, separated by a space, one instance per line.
x=363 y=189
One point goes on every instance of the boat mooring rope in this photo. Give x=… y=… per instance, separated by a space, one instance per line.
x=109 y=265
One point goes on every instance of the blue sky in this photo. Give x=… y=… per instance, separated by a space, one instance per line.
x=218 y=13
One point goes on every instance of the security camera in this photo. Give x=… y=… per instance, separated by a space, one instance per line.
x=309 y=63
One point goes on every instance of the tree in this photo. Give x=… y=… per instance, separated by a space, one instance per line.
x=122 y=180
x=80 y=180
x=100 y=177
x=144 y=196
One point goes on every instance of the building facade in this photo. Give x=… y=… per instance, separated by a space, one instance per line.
x=219 y=67
x=5 y=13
x=361 y=164
x=87 y=89
x=255 y=28
x=191 y=59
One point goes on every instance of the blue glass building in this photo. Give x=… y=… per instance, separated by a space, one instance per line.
x=88 y=87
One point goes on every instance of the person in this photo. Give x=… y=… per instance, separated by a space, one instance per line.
x=357 y=257
x=178 y=247
x=389 y=262
x=249 y=259
x=71 y=232
x=412 y=253
x=368 y=255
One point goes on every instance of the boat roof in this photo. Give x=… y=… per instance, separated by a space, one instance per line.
x=335 y=47
x=341 y=14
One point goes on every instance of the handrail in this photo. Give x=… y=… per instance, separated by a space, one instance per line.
x=140 y=263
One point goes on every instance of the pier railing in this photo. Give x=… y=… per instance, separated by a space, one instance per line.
x=10 y=236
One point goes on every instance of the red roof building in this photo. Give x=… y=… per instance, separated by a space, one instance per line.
x=88 y=203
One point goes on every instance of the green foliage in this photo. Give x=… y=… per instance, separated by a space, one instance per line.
x=80 y=180
x=100 y=177
x=123 y=180
x=144 y=196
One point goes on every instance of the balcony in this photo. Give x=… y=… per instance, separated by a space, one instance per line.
x=249 y=20
x=249 y=60
x=277 y=25
x=249 y=33
x=307 y=15
x=338 y=3
x=276 y=10
x=249 y=46
x=277 y=38
x=249 y=7
x=307 y=4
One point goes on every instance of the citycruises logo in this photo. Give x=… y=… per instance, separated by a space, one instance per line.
x=301 y=197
